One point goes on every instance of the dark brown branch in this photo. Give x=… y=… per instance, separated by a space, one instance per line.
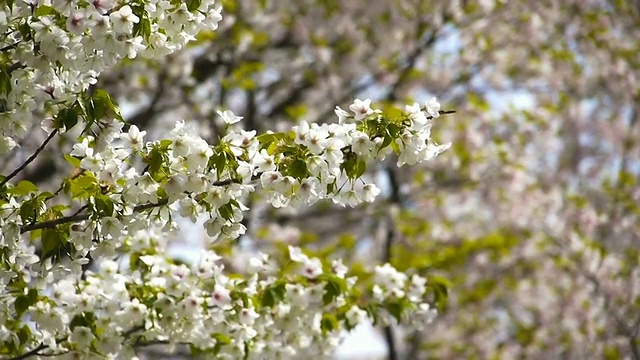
x=14 y=67
x=53 y=223
x=30 y=159
x=80 y=217
x=133 y=330
x=9 y=47
x=395 y=197
x=33 y=352
x=394 y=200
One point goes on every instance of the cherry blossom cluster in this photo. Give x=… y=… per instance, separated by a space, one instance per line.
x=52 y=51
x=84 y=271
x=311 y=163
x=126 y=186
x=299 y=308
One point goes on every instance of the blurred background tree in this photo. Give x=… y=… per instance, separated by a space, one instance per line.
x=532 y=217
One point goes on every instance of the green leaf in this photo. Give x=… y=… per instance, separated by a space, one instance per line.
x=146 y=28
x=24 y=334
x=331 y=187
x=270 y=141
x=394 y=130
x=396 y=309
x=66 y=118
x=23 y=187
x=221 y=338
x=84 y=186
x=31 y=209
x=5 y=82
x=361 y=167
x=242 y=75
x=193 y=5
x=328 y=323
x=32 y=295
x=86 y=319
x=43 y=10
x=335 y=286
x=395 y=147
x=25 y=30
x=298 y=169
x=439 y=286
x=104 y=206
x=21 y=305
x=54 y=241
x=353 y=166
x=102 y=103
x=24 y=301
x=347 y=241
x=226 y=211
x=134 y=261
x=218 y=161
x=165 y=144
x=268 y=298
x=74 y=161
x=395 y=113
x=17 y=284
x=98 y=106
x=272 y=294
x=143 y=27
x=240 y=295
x=386 y=142
x=157 y=162
x=8 y=347
x=195 y=351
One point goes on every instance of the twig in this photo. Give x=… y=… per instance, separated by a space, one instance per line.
x=41 y=347
x=14 y=67
x=80 y=217
x=30 y=159
x=30 y=353
x=133 y=330
x=9 y=47
x=76 y=217
x=53 y=223
x=35 y=351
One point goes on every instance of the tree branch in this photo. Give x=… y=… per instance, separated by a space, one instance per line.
x=395 y=197
x=80 y=217
x=30 y=353
x=30 y=159
x=10 y=46
x=41 y=347
x=35 y=351
x=394 y=200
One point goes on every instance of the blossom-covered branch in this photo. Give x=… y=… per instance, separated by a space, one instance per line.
x=101 y=282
